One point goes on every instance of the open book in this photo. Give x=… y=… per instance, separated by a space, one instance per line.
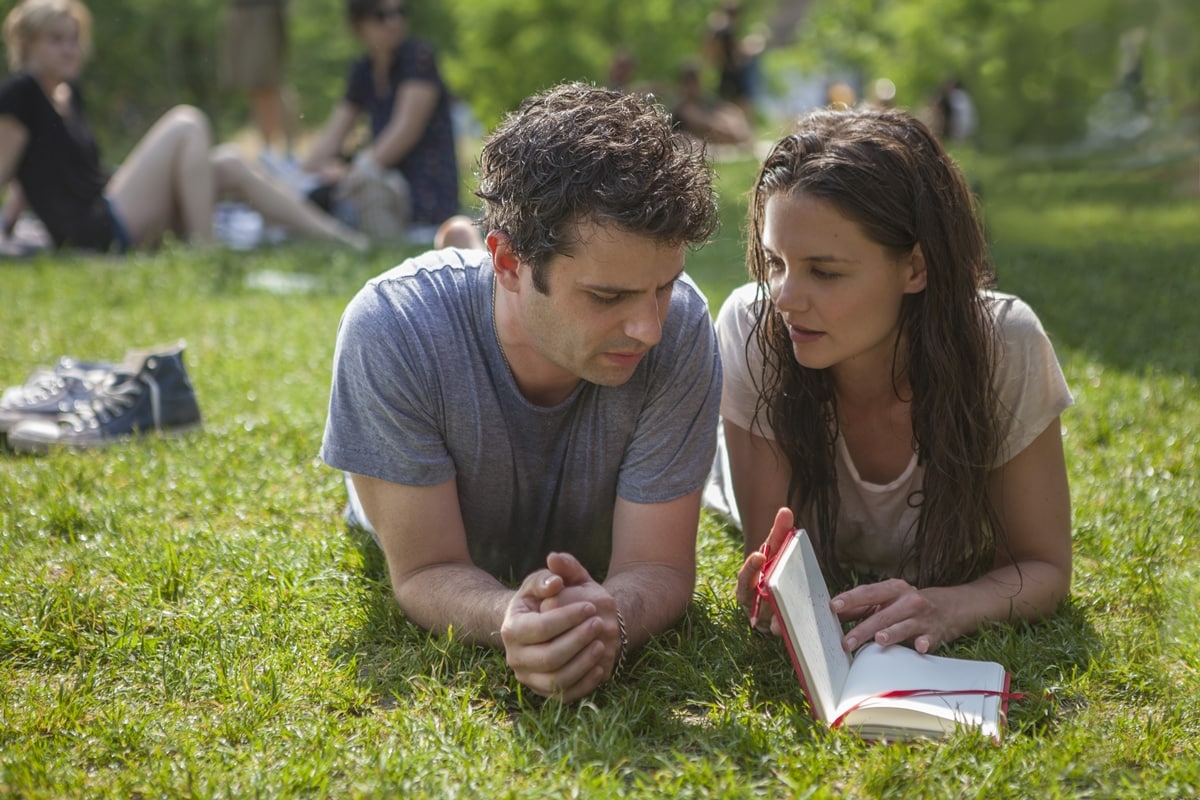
x=880 y=692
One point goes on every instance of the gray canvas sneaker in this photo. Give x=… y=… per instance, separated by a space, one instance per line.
x=150 y=392
x=49 y=391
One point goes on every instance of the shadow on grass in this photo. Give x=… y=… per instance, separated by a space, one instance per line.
x=396 y=658
x=1044 y=658
x=1106 y=257
x=698 y=687
x=1134 y=307
x=706 y=688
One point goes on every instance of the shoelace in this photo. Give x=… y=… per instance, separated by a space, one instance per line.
x=46 y=384
x=118 y=393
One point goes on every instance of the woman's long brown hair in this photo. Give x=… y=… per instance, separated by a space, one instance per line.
x=884 y=170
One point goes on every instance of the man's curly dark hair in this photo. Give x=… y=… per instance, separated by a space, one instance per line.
x=578 y=153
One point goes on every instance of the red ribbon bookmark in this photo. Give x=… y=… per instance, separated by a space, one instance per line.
x=1015 y=697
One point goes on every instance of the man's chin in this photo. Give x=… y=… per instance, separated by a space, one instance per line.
x=611 y=375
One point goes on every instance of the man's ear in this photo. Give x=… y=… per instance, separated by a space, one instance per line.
x=504 y=260
x=915 y=279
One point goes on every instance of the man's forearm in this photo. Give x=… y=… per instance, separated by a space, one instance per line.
x=461 y=597
x=650 y=597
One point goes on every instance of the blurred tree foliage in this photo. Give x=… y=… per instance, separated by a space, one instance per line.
x=507 y=49
x=1035 y=67
x=152 y=54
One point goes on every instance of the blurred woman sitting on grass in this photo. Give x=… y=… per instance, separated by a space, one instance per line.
x=169 y=182
x=403 y=184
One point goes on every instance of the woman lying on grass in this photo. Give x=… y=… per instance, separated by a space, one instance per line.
x=878 y=394
x=169 y=182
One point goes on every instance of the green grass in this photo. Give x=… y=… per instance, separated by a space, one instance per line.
x=189 y=618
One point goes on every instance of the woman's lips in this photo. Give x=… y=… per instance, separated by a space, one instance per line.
x=803 y=335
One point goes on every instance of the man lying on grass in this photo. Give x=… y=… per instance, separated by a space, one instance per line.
x=543 y=414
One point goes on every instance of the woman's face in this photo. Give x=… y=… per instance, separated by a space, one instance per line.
x=383 y=30
x=56 y=54
x=838 y=292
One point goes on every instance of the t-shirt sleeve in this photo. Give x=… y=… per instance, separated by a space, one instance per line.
x=672 y=448
x=418 y=62
x=358 y=84
x=1030 y=383
x=742 y=361
x=383 y=418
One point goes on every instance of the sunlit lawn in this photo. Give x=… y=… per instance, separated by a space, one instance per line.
x=189 y=618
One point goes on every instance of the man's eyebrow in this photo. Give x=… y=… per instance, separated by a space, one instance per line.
x=595 y=287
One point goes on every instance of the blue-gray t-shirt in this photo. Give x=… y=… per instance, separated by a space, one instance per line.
x=421 y=394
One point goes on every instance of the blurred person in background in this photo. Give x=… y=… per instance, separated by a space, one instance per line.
x=404 y=183
x=253 y=60
x=169 y=182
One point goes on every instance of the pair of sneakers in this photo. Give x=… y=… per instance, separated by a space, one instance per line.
x=94 y=404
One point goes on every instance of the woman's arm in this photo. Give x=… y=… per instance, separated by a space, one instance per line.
x=411 y=112
x=328 y=146
x=759 y=473
x=13 y=138
x=14 y=205
x=1032 y=573
x=760 y=476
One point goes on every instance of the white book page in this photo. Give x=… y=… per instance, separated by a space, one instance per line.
x=799 y=591
x=878 y=669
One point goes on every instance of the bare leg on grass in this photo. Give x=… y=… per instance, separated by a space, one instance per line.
x=278 y=203
x=166 y=183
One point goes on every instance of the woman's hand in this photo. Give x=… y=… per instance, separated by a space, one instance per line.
x=894 y=612
x=332 y=172
x=751 y=572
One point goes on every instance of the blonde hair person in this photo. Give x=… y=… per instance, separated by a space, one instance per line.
x=29 y=20
x=169 y=182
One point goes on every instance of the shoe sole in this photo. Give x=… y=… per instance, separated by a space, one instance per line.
x=11 y=419
x=39 y=447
